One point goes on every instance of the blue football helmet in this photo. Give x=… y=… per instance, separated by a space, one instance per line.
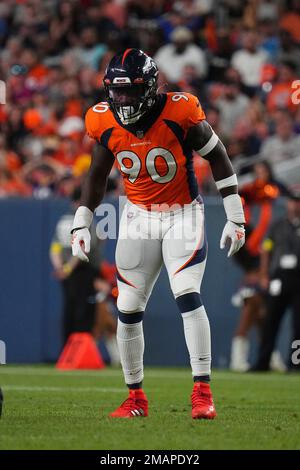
x=130 y=84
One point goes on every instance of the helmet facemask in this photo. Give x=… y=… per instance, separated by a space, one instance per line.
x=131 y=101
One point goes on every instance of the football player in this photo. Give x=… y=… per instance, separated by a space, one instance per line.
x=152 y=136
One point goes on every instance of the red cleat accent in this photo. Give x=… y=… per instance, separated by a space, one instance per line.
x=135 y=406
x=202 y=402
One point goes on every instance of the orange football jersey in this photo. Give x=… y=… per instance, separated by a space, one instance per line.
x=152 y=154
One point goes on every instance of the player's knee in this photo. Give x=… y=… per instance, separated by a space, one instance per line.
x=187 y=280
x=186 y=290
x=130 y=303
x=185 y=284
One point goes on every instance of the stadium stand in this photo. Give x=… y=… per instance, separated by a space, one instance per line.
x=241 y=61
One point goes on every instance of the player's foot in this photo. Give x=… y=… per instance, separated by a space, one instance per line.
x=135 y=406
x=202 y=402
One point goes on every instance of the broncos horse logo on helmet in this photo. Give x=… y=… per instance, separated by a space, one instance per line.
x=130 y=84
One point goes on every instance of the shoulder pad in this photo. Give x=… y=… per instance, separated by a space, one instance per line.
x=186 y=108
x=98 y=119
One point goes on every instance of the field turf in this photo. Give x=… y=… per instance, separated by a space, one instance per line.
x=48 y=409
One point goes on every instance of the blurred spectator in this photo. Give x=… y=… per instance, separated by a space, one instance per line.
x=232 y=106
x=219 y=59
x=191 y=83
x=172 y=58
x=11 y=185
x=268 y=10
x=213 y=116
x=269 y=38
x=290 y=20
x=259 y=194
x=90 y=51
x=8 y=159
x=289 y=51
x=280 y=275
x=84 y=291
x=66 y=186
x=35 y=71
x=115 y=11
x=249 y=60
x=43 y=181
x=285 y=144
x=252 y=128
x=281 y=93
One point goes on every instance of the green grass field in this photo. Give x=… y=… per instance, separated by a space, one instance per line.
x=48 y=409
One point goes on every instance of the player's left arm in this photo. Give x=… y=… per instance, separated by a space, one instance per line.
x=205 y=141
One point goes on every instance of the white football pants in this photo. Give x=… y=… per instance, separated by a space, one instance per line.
x=148 y=239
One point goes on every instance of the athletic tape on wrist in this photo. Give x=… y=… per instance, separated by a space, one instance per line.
x=83 y=218
x=234 y=208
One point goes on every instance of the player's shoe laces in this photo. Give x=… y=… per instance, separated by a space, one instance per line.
x=202 y=402
x=135 y=406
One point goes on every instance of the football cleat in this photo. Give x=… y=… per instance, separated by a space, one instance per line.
x=202 y=402
x=135 y=406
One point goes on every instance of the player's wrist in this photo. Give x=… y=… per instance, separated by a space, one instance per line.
x=241 y=225
x=76 y=229
x=234 y=209
x=82 y=219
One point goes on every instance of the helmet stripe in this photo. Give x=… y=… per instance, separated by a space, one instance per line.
x=125 y=55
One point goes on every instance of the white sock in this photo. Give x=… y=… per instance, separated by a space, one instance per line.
x=197 y=337
x=131 y=345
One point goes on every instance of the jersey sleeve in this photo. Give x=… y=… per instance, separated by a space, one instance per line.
x=187 y=109
x=195 y=113
x=93 y=124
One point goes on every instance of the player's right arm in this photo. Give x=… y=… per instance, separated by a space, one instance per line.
x=93 y=191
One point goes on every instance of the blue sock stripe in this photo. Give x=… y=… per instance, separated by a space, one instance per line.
x=131 y=318
x=201 y=378
x=189 y=302
x=135 y=386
